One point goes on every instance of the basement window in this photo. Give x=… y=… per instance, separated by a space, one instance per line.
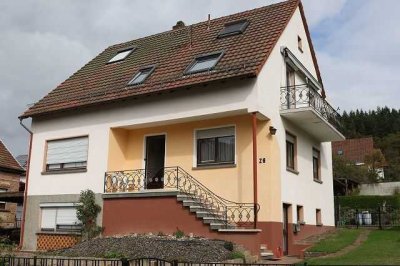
x=233 y=28
x=121 y=55
x=204 y=63
x=141 y=75
x=59 y=217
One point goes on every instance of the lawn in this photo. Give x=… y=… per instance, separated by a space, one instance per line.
x=342 y=238
x=381 y=247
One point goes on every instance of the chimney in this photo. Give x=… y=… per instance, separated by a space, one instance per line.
x=179 y=25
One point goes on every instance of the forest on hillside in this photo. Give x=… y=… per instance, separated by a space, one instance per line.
x=383 y=124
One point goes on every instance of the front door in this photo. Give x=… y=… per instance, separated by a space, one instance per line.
x=285 y=229
x=154 y=162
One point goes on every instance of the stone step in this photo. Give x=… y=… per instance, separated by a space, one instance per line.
x=186 y=197
x=267 y=255
x=216 y=225
x=188 y=203
x=209 y=220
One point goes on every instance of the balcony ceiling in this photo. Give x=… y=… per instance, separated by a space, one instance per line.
x=313 y=123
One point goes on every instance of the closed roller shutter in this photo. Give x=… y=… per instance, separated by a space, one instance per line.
x=66 y=216
x=48 y=218
x=67 y=150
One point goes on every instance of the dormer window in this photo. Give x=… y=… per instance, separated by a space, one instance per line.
x=121 y=55
x=204 y=63
x=233 y=28
x=141 y=75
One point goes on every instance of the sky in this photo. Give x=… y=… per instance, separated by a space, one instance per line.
x=43 y=42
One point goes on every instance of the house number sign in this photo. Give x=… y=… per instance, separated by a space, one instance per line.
x=262 y=160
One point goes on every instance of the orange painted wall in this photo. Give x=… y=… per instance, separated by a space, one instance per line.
x=126 y=151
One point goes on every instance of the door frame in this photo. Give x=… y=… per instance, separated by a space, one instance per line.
x=145 y=147
x=286 y=207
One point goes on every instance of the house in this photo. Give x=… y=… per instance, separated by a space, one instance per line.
x=10 y=172
x=220 y=129
x=360 y=152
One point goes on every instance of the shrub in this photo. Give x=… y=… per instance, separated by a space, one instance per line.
x=87 y=212
x=368 y=202
x=113 y=255
x=179 y=233
x=228 y=246
x=238 y=255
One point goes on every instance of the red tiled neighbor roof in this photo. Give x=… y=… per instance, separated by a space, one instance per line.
x=354 y=150
x=171 y=52
x=7 y=161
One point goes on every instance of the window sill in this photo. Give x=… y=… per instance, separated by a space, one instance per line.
x=58 y=233
x=69 y=171
x=292 y=170
x=214 y=166
x=318 y=181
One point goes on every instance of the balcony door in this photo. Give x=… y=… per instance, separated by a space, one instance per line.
x=154 y=162
x=291 y=89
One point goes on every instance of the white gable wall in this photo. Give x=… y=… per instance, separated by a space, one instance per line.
x=296 y=189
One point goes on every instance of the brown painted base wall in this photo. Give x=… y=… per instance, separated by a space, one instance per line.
x=122 y=216
x=56 y=241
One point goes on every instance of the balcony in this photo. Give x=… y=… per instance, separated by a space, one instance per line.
x=304 y=106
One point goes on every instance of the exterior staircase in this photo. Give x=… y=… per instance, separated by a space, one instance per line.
x=219 y=213
x=213 y=217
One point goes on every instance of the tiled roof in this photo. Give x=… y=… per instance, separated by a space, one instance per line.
x=354 y=150
x=171 y=52
x=7 y=161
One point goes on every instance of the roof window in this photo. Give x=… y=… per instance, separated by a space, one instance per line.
x=121 y=55
x=233 y=28
x=204 y=63
x=141 y=75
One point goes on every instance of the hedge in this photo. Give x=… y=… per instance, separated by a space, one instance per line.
x=368 y=202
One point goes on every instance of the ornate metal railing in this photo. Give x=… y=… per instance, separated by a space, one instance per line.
x=232 y=214
x=303 y=96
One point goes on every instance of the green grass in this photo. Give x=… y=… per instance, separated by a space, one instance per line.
x=381 y=247
x=336 y=242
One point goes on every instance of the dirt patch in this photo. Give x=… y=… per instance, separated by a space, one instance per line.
x=161 y=247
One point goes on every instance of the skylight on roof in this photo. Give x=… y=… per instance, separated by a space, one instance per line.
x=204 y=63
x=121 y=55
x=141 y=76
x=233 y=28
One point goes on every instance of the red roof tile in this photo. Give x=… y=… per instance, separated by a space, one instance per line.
x=7 y=161
x=172 y=51
x=354 y=150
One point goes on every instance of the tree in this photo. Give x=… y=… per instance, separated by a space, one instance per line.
x=345 y=169
x=87 y=212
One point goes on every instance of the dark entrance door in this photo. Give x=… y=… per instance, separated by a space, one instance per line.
x=155 y=157
x=285 y=229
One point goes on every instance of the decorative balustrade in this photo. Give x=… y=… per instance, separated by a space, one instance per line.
x=303 y=96
x=233 y=214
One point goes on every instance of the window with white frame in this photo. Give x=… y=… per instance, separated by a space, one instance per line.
x=215 y=146
x=67 y=154
x=3 y=203
x=59 y=217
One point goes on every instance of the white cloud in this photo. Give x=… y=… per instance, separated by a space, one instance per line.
x=319 y=10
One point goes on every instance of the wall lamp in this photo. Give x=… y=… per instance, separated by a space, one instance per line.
x=272 y=130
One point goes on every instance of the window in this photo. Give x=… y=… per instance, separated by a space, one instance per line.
x=3 y=203
x=316 y=165
x=204 y=63
x=59 y=217
x=318 y=217
x=300 y=214
x=233 y=28
x=216 y=146
x=141 y=76
x=340 y=152
x=290 y=152
x=299 y=44
x=67 y=154
x=121 y=55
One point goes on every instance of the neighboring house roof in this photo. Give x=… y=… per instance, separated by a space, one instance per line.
x=22 y=160
x=354 y=150
x=7 y=161
x=172 y=52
